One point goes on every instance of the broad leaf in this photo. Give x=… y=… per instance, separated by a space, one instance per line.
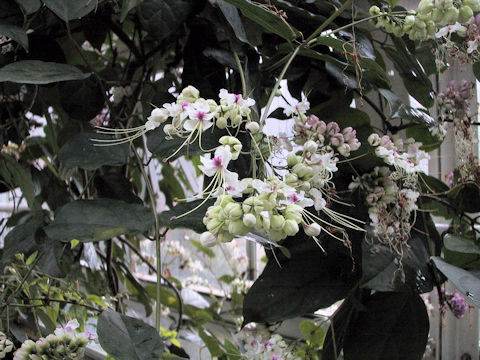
x=398 y=110
x=385 y=270
x=128 y=5
x=460 y=244
x=466 y=197
x=81 y=99
x=71 y=9
x=127 y=338
x=465 y=281
x=40 y=72
x=231 y=14
x=100 y=219
x=29 y=6
x=15 y=33
x=266 y=19
x=163 y=18
x=394 y=326
x=81 y=151
x=288 y=289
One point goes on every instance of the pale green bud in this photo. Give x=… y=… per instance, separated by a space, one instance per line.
x=374 y=10
x=237 y=228
x=225 y=237
x=473 y=4
x=213 y=225
x=233 y=211
x=221 y=122
x=425 y=6
x=291 y=179
x=293 y=159
x=437 y=15
x=300 y=169
x=374 y=139
x=189 y=94
x=409 y=20
x=293 y=212
x=249 y=220
x=431 y=28
x=465 y=14
x=223 y=200
x=451 y=16
x=277 y=235
x=290 y=227
x=277 y=222
x=252 y=127
x=208 y=239
x=237 y=120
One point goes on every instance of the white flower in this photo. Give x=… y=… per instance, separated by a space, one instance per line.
x=199 y=115
x=71 y=326
x=297 y=198
x=218 y=166
x=157 y=117
x=473 y=44
x=324 y=162
x=230 y=99
x=450 y=29
x=177 y=110
x=318 y=200
x=300 y=108
x=385 y=154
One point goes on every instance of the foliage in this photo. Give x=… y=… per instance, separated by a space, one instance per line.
x=67 y=67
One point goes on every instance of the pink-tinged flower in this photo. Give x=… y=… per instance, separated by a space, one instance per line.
x=217 y=166
x=71 y=327
x=230 y=99
x=199 y=116
x=300 y=108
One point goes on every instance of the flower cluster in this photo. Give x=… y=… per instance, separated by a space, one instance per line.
x=390 y=205
x=441 y=17
x=454 y=104
x=6 y=346
x=458 y=304
x=66 y=343
x=259 y=344
x=314 y=132
x=405 y=156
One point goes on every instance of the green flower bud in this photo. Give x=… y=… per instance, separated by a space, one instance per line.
x=223 y=200
x=374 y=11
x=293 y=212
x=237 y=227
x=221 y=122
x=233 y=211
x=213 y=225
x=409 y=20
x=208 y=239
x=237 y=120
x=291 y=179
x=389 y=27
x=425 y=6
x=290 y=227
x=431 y=28
x=293 y=159
x=465 y=14
x=473 y=4
x=249 y=220
x=277 y=222
x=450 y=17
x=300 y=169
x=252 y=127
x=189 y=94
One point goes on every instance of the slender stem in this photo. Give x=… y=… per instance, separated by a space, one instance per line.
x=242 y=75
x=277 y=84
x=158 y=305
x=329 y=21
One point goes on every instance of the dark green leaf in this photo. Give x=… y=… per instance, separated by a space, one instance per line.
x=15 y=33
x=385 y=270
x=383 y=330
x=162 y=18
x=266 y=19
x=476 y=70
x=170 y=185
x=413 y=76
x=81 y=99
x=20 y=240
x=466 y=282
x=128 y=5
x=80 y=151
x=286 y=291
x=231 y=14
x=466 y=197
x=40 y=72
x=114 y=185
x=223 y=57
x=127 y=338
x=71 y=9
x=101 y=219
x=212 y=344
x=405 y=112
x=460 y=244
x=422 y=134
x=29 y=6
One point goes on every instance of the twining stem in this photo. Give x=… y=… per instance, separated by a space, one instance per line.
x=329 y=21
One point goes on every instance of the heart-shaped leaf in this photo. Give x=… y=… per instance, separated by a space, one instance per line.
x=71 y=9
x=100 y=219
x=383 y=330
x=40 y=72
x=127 y=338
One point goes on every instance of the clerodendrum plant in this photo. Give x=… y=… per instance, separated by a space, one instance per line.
x=340 y=200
